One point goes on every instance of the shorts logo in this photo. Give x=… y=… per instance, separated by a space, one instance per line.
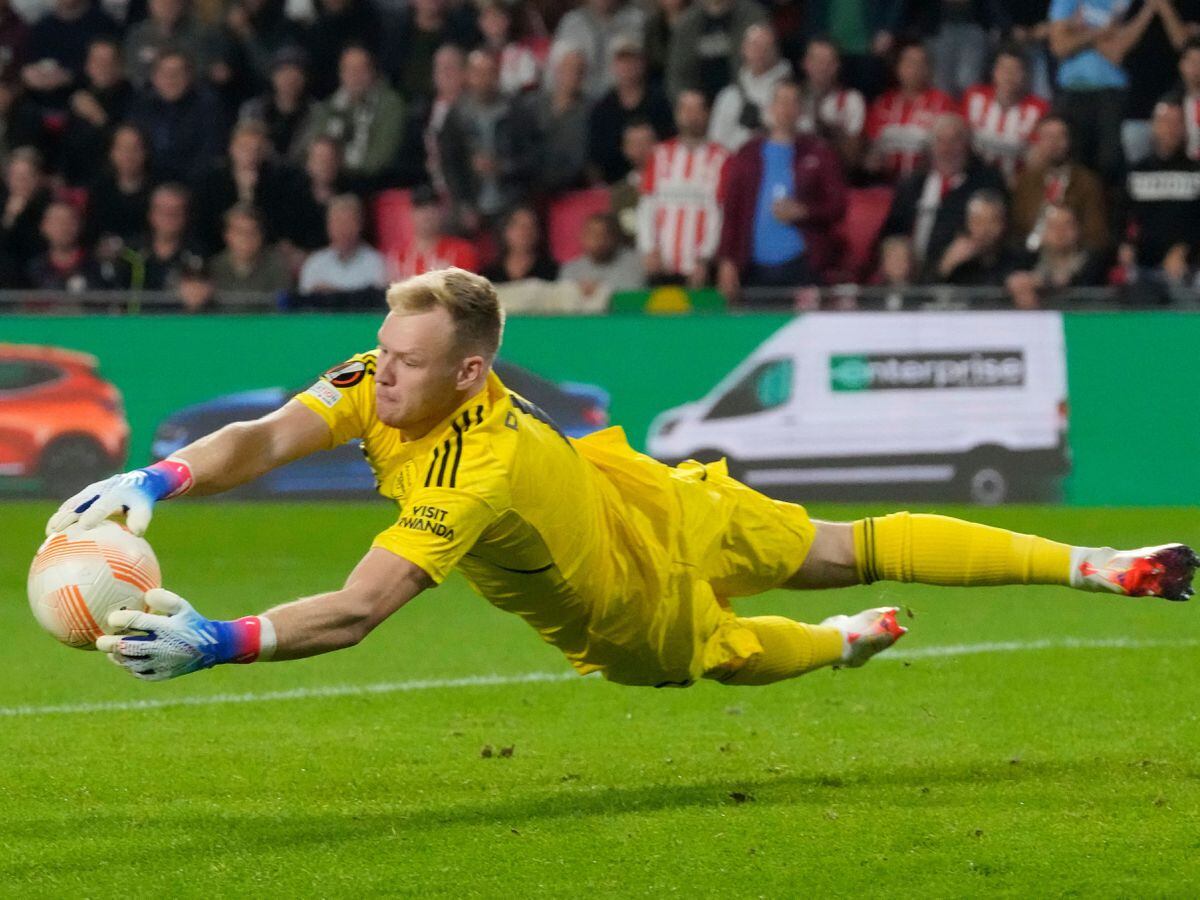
x=325 y=393
x=350 y=373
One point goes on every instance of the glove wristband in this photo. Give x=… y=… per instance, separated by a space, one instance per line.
x=168 y=478
x=239 y=641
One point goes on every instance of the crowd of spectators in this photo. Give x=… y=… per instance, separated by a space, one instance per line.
x=224 y=147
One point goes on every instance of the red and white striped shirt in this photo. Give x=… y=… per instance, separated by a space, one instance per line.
x=1191 y=120
x=1001 y=135
x=446 y=252
x=899 y=128
x=678 y=213
x=842 y=111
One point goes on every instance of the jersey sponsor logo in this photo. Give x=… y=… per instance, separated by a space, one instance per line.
x=927 y=371
x=351 y=372
x=427 y=518
x=326 y=393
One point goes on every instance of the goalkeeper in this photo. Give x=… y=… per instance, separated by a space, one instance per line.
x=627 y=565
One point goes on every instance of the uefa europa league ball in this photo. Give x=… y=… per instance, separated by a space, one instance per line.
x=80 y=575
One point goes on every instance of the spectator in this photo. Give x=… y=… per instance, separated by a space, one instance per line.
x=864 y=30
x=58 y=44
x=656 y=38
x=248 y=264
x=594 y=28
x=421 y=29
x=156 y=262
x=347 y=264
x=703 y=52
x=20 y=119
x=323 y=180
x=637 y=145
x=14 y=43
x=523 y=252
x=420 y=161
x=482 y=170
x=365 y=115
x=503 y=28
x=980 y=256
x=1053 y=178
x=96 y=107
x=1188 y=94
x=66 y=265
x=286 y=108
x=782 y=195
x=1003 y=114
x=630 y=99
x=930 y=205
x=1029 y=32
x=828 y=109
x=264 y=32
x=559 y=125
x=1062 y=262
x=431 y=248
x=1090 y=41
x=119 y=199
x=679 y=220
x=958 y=40
x=1149 y=79
x=899 y=123
x=1163 y=221
x=897 y=270
x=737 y=111
x=245 y=175
x=606 y=265
x=24 y=201
x=196 y=291
x=339 y=24
x=169 y=26
x=182 y=120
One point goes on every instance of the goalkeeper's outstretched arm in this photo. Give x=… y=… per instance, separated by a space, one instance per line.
x=230 y=456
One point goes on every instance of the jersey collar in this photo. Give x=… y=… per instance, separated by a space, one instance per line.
x=492 y=390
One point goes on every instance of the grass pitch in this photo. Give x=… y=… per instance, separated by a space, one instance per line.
x=1032 y=769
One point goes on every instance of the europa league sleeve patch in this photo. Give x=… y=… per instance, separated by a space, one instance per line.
x=326 y=393
x=350 y=373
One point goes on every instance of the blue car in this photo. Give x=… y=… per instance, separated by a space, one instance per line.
x=577 y=409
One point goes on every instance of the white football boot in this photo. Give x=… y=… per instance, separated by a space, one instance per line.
x=1164 y=571
x=866 y=634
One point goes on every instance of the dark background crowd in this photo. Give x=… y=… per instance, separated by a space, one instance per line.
x=317 y=148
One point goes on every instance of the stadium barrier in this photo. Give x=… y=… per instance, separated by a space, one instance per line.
x=1131 y=385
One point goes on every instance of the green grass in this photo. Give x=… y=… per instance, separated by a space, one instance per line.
x=1026 y=773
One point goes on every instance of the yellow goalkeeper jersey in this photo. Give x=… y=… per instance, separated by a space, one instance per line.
x=621 y=562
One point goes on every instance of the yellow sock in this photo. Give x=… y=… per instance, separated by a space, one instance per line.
x=790 y=648
x=940 y=550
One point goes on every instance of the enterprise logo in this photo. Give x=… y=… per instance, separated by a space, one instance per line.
x=927 y=371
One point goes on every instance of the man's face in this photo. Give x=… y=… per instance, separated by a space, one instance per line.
x=322 y=162
x=691 y=114
x=103 y=66
x=427 y=221
x=597 y=241
x=785 y=107
x=1053 y=142
x=167 y=12
x=985 y=222
x=128 y=155
x=243 y=237
x=171 y=78
x=419 y=367
x=1167 y=128
x=449 y=72
x=637 y=143
x=758 y=49
x=288 y=80
x=168 y=214
x=1008 y=75
x=483 y=75
x=355 y=72
x=1189 y=69
x=22 y=178
x=60 y=226
x=1061 y=232
x=343 y=226
x=629 y=69
x=521 y=232
x=912 y=70
x=570 y=71
x=820 y=65
x=951 y=145
x=248 y=149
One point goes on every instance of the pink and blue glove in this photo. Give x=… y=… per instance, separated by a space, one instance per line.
x=134 y=492
x=181 y=640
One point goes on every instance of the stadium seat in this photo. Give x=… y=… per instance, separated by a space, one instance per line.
x=866 y=210
x=392 y=213
x=566 y=218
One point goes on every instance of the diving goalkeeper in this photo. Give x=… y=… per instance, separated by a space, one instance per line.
x=628 y=566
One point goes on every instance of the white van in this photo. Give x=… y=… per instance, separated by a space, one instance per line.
x=888 y=405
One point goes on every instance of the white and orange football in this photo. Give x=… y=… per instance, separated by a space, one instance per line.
x=80 y=575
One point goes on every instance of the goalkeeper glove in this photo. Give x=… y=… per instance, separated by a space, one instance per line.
x=134 y=492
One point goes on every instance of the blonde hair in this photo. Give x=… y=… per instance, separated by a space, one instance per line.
x=469 y=298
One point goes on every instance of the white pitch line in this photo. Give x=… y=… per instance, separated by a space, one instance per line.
x=400 y=687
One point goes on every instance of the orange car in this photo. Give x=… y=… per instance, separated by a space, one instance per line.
x=60 y=422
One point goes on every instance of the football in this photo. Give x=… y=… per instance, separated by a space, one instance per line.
x=80 y=575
